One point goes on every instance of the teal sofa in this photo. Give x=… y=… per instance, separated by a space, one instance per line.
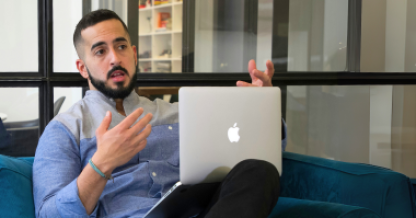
x=310 y=187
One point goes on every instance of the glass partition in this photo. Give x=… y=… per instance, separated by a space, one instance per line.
x=388 y=34
x=230 y=33
x=364 y=124
x=317 y=35
x=64 y=98
x=19 y=121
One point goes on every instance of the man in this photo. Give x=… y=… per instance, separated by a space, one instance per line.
x=114 y=154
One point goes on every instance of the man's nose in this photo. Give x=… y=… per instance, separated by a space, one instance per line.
x=115 y=58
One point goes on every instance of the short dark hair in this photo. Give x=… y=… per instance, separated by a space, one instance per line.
x=91 y=19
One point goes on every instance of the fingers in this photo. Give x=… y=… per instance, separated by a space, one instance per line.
x=104 y=124
x=270 y=69
x=130 y=119
x=141 y=124
x=142 y=136
x=251 y=67
x=141 y=145
x=261 y=76
x=244 y=84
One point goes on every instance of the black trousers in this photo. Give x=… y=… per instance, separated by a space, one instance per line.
x=251 y=190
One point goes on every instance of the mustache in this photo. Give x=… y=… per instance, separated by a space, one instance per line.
x=116 y=68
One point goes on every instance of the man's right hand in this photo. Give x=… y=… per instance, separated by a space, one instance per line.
x=117 y=146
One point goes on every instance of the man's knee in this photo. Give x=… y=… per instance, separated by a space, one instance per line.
x=259 y=168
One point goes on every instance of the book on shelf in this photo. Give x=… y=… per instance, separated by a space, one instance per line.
x=163 y=21
x=145 y=4
x=161 y=2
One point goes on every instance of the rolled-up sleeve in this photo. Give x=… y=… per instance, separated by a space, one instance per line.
x=284 y=135
x=56 y=168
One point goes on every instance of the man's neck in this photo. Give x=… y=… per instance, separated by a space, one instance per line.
x=120 y=107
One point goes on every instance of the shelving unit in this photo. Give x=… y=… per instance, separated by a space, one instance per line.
x=160 y=49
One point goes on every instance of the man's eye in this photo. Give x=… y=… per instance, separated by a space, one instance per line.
x=99 y=52
x=121 y=47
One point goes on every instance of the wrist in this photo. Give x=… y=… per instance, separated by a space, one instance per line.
x=104 y=167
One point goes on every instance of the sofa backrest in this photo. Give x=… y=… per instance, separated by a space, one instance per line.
x=388 y=193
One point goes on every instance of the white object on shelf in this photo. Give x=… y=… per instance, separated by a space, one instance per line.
x=156 y=45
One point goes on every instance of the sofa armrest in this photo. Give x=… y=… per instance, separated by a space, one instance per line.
x=300 y=208
x=388 y=193
x=16 y=187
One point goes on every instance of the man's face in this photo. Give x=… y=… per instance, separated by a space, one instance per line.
x=109 y=61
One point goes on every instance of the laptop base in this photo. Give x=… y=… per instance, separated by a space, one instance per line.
x=184 y=201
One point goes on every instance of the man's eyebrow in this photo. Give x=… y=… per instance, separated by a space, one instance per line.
x=97 y=44
x=120 y=39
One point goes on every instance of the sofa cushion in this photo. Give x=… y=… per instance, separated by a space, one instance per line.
x=299 y=208
x=16 y=187
x=388 y=193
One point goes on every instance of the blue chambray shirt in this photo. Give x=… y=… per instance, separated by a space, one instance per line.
x=69 y=141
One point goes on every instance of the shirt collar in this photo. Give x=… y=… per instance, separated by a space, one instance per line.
x=131 y=99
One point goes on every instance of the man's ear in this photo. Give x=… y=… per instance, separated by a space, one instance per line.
x=82 y=68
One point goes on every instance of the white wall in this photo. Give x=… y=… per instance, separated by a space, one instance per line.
x=67 y=14
x=19 y=52
x=19 y=36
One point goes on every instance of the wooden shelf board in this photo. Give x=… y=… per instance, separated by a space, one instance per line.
x=145 y=9
x=146 y=34
x=162 y=6
x=145 y=59
x=146 y=91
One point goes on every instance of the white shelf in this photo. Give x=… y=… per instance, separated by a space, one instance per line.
x=162 y=59
x=156 y=43
x=146 y=34
x=162 y=33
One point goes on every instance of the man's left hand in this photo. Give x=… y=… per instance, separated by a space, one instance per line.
x=259 y=78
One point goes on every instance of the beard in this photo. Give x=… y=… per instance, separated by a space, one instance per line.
x=120 y=92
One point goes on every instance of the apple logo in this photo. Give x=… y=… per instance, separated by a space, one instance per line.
x=233 y=133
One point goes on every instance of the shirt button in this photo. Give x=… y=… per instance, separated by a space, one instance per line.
x=170 y=127
x=154 y=174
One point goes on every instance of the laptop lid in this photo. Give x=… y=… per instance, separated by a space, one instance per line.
x=221 y=126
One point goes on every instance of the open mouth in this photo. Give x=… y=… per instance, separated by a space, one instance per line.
x=118 y=76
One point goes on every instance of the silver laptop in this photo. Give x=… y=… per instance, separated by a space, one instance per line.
x=218 y=128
